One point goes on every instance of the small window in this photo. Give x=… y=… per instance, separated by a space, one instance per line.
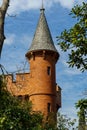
x=48 y=70
x=20 y=97
x=49 y=107
x=26 y=98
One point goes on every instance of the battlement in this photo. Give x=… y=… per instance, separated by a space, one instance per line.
x=16 y=82
x=17 y=76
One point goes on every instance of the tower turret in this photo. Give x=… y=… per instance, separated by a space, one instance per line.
x=42 y=56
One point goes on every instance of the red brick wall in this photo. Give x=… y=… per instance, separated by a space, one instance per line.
x=40 y=86
x=43 y=86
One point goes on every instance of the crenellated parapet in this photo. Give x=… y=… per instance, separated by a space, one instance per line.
x=16 y=82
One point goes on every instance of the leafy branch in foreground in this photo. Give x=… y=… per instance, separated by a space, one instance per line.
x=13 y=114
x=82 y=113
x=18 y=115
x=66 y=123
x=75 y=39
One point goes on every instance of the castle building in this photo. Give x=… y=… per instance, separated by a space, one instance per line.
x=39 y=86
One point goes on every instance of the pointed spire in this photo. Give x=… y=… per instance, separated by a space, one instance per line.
x=42 y=39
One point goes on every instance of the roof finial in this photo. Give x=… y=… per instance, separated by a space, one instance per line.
x=42 y=8
x=42 y=4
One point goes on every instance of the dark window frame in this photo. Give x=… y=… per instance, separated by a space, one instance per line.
x=49 y=107
x=20 y=97
x=49 y=70
x=26 y=97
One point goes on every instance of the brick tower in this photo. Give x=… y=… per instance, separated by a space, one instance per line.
x=42 y=56
x=39 y=86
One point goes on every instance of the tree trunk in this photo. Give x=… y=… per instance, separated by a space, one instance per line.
x=82 y=122
x=3 y=10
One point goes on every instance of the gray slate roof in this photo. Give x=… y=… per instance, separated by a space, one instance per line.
x=42 y=39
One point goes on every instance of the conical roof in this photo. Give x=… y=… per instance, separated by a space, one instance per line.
x=42 y=39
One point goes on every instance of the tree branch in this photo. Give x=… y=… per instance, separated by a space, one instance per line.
x=3 y=10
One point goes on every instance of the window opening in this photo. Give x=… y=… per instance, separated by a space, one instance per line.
x=48 y=70
x=20 y=97
x=49 y=107
x=26 y=98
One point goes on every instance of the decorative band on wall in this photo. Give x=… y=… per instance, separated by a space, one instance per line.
x=42 y=94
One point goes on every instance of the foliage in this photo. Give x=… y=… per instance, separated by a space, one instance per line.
x=51 y=123
x=75 y=39
x=82 y=113
x=65 y=123
x=17 y=115
x=14 y=115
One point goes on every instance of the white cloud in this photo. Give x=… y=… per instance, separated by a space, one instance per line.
x=10 y=39
x=17 y=6
x=65 y=3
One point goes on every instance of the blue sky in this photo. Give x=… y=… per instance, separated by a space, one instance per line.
x=19 y=32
